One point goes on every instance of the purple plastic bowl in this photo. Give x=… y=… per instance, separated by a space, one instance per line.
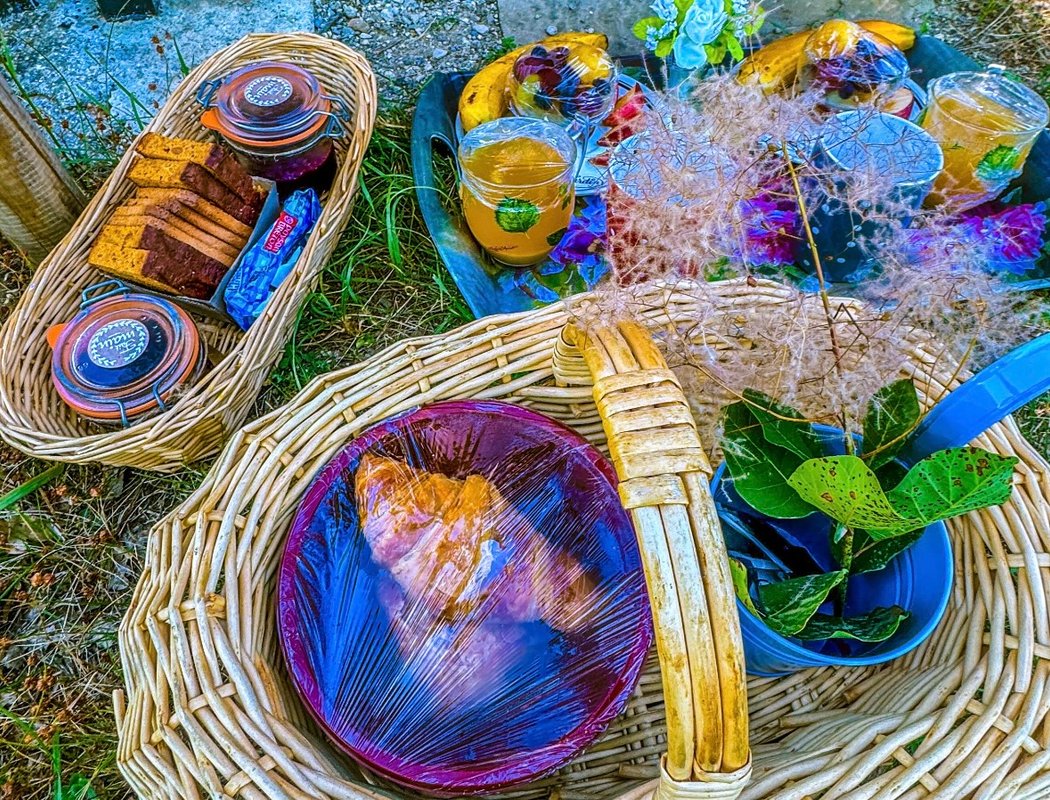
x=580 y=681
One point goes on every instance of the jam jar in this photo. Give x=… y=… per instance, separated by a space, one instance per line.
x=279 y=122
x=124 y=356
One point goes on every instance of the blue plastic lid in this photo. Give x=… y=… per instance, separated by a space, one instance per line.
x=995 y=392
x=882 y=143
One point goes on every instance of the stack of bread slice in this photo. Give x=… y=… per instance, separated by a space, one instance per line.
x=190 y=217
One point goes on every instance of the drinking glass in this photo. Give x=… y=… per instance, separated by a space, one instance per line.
x=516 y=186
x=986 y=124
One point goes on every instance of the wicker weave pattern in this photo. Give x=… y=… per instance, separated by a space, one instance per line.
x=33 y=417
x=209 y=712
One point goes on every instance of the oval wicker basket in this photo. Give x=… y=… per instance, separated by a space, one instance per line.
x=209 y=710
x=32 y=416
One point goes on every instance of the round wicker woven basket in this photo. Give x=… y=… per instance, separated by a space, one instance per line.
x=209 y=711
x=32 y=416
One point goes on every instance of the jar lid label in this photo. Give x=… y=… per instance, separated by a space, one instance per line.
x=267 y=90
x=118 y=343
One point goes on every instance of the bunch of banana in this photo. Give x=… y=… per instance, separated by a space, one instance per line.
x=775 y=66
x=484 y=98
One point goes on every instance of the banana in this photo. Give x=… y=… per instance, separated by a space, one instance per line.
x=484 y=98
x=775 y=66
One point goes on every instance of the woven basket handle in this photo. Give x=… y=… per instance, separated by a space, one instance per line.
x=664 y=485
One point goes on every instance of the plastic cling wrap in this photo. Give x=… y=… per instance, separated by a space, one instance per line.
x=563 y=83
x=461 y=601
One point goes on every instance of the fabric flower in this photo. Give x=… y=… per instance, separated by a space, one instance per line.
x=1014 y=235
x=703 y=23
x=772 y=229
x=665 y=10
x=584 y=241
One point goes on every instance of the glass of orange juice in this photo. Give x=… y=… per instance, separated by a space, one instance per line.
x=986 y=124
x=516 y=185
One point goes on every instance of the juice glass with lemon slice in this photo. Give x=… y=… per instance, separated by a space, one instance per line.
x=986 y=124
x=516 y=185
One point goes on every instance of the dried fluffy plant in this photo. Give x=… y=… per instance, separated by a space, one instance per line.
x=710 y=190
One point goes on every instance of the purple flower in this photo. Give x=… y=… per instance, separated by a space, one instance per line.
x=584 y=241
x=772 y=229
x=1014 y=235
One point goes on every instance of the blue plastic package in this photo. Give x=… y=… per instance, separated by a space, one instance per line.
x=271 y=258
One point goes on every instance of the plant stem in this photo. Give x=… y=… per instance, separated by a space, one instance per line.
x=836 y=350
x=825 y=299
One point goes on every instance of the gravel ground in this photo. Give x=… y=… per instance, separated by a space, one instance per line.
x=409 y=40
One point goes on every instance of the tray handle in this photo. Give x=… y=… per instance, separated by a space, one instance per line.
x=664 y=485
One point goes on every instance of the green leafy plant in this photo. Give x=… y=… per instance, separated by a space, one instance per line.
x=780 y=467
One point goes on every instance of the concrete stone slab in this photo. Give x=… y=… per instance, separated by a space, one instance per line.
x=796 y=15
x=529 y=20
x=77 y=66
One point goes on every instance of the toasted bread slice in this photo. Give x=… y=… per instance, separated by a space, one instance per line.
x=214 y=158
x=170 y=208
x=154 y=234
x=153 y=270
x=156 y=173
x=201 y=240
x=197 y=205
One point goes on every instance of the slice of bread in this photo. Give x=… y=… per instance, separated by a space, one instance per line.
x=155 y=234
x=170 y=207
x=214 y=158
x=196 y=206
x=201 y=240
x=157 y=173
x=154 y=270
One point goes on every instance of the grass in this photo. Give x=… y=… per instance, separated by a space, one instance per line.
x=72 y=538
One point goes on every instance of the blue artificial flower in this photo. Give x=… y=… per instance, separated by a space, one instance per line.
x=654 y=36
x=666 y=10
x=584 y=241
x=704 y=22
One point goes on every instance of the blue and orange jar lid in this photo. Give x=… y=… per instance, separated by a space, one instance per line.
x=124 y=356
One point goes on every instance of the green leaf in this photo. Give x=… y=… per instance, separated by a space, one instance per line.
x=953 y=482
x=789 y=604
x=22 y=491
x=516 y=215
x=871 y=555
x=999 y=163
x=682 y=6
x=783 y=425
x=892 y=414
x=845 y=489
x=642 y=27
x=736 y=49
x=875 y=626
x=554 y=238
x=664 y=47
x=79 y=788
x=740 y=584
x=716 y=52
x=759 y=469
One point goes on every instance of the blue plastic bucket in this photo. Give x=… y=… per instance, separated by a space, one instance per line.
x=918 y=580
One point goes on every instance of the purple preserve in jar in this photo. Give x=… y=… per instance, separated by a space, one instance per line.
x=277 y=119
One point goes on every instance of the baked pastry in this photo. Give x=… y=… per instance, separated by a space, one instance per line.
x=156 y=173
x=201 y=240
x=454 y=545
x=165 y=255
x=191 y=206
x=212 y=157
